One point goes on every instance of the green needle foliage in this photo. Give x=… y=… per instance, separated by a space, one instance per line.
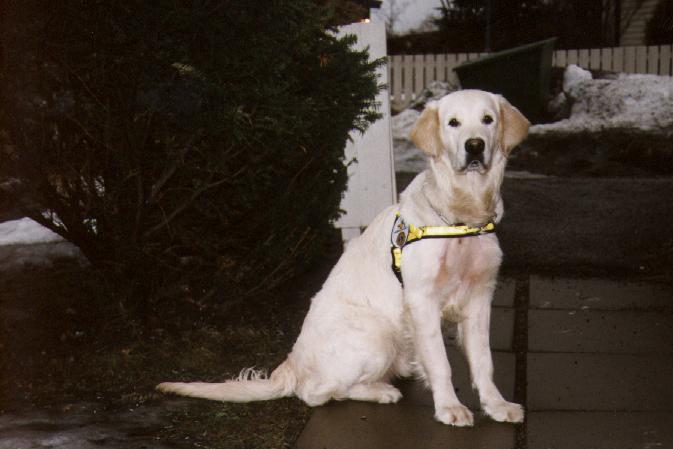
x=194 y=144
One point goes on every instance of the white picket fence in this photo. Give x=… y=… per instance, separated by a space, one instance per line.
x=410 y=74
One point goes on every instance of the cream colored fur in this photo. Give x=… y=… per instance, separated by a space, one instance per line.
x=363 y=329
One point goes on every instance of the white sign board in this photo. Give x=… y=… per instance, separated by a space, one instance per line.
x=371 y=180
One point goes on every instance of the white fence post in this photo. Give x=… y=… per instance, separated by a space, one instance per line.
x=371 y=178
x=665 y=59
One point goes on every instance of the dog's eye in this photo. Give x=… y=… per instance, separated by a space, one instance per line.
x=454 y=123
x=487 y=120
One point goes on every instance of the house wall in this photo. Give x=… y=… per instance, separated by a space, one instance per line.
x=634 y=17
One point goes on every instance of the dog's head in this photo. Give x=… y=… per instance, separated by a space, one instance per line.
x=469 y=127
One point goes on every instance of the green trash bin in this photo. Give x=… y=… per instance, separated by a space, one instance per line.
x=520 y=74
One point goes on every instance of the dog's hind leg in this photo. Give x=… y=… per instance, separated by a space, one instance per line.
x=380 y=392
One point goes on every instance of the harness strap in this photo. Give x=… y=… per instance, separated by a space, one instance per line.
x=403 y=234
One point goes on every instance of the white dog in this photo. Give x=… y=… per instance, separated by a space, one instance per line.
x=366 y=326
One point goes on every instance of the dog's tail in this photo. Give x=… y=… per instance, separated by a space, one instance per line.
x=251 y=385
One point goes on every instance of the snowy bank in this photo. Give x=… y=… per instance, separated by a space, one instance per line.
x=408 y=158
x=628 y=102
x=24 y=232
x=25 y=242
x=624 y=102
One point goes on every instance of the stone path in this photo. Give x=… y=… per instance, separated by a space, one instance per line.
x=592 y=360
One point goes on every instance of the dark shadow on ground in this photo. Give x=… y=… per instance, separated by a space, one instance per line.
x=586 y=226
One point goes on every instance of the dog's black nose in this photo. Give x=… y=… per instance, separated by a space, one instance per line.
x=475 y=146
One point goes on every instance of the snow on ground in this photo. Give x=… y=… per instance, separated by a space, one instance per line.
x=408 y=158
x=25 y=231
x=403 y=122
x=25 y=242
x=627 y=101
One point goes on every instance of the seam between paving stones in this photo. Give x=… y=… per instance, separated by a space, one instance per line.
x=629 y=353
x=658 y=309
x=520 y=348
x=654 y=411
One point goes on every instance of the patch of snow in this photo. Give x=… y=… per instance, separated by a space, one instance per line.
x=574 y=74
x=625 y=101
x=18 y=256
x=559 y=107
x=403 y=122
x=25 y=231
x=25 y=242
x=434 y=91
x=85 y=426
x=408 y=158
x=629 y=101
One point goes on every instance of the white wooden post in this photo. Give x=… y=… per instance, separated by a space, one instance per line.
x=371 y=179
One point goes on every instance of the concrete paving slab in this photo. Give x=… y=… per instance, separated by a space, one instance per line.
x=600 y=331
x=614 y=430
x=410 y=424
x=557 y=293
x=599 y=382
x=362 y=425
x=415 y=393
x=502 y=330
x=338 y=425
x=504 y=293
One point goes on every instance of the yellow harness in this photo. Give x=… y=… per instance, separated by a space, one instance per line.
x=403 y=234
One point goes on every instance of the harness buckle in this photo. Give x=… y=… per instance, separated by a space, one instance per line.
x=403 y=234
x=400 y=232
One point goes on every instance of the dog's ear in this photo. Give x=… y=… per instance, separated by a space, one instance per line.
x=513 y=126
x=425 y=134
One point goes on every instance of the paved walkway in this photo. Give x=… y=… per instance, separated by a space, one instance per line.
x=592 y=360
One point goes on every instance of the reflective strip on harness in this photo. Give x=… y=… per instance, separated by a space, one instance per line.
x=403 y=234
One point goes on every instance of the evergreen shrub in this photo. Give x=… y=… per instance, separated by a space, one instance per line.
x=190 y=144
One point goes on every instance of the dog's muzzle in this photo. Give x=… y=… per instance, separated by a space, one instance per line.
x=474 y=159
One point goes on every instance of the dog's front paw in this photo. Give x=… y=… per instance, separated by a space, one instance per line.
x=504 y=411
x=455 y=415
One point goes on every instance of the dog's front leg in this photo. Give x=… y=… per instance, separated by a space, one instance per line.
x=430 y=350
x=473 y=334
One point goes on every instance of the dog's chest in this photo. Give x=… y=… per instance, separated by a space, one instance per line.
x=464 y=263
